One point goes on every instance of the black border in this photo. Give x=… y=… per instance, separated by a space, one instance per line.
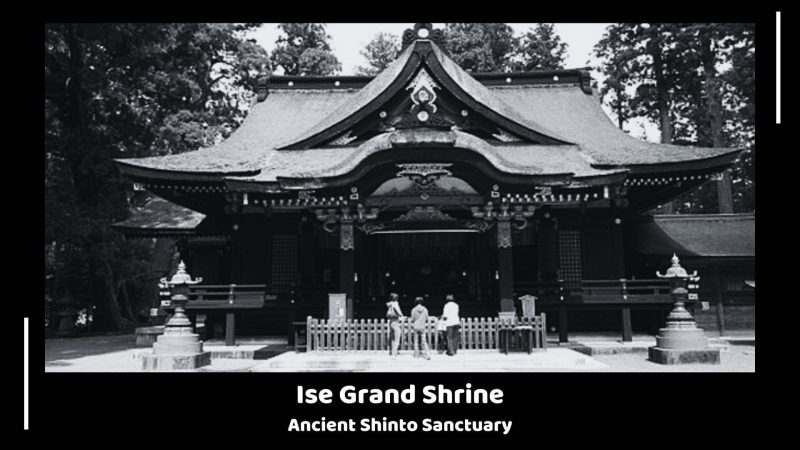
x=562 y=407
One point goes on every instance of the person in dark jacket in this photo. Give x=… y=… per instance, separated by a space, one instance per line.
x=419 y=323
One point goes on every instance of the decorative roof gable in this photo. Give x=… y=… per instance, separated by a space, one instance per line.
x=423 y=88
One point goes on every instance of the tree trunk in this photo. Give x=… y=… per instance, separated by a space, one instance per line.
x=662 y=97
x=126 y=301
x=73 y=114
x=108 y=296
x=713 y=91
x=163 y=256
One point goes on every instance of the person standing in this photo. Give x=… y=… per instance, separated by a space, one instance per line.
x=441 y=330
x=393 y=315
x=453 y=321
x=419 y=321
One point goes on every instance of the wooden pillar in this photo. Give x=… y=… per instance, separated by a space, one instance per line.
x=617 y=250
x=627 y=328
x=230 y=329
x=562 y=324
x=719 y=298
x=347 y=264
x=505 y=266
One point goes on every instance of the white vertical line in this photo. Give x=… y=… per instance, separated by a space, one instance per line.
x=778 y=67
x=26 y=373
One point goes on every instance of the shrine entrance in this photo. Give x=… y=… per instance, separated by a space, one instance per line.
x=432 y=264
x=435 y=264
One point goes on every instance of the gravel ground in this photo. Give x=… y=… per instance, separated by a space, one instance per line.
x=734 y=358
x=118 y=354
x=114 y=354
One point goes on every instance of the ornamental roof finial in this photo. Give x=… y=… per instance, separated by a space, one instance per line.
x=181 y=277
x=423 y=31
x=676 y=271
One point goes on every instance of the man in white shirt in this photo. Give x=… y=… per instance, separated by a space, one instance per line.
x=393 y=315
x=453 y=322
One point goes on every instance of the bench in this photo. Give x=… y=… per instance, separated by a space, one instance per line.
x=226 y=299
x=146 y=336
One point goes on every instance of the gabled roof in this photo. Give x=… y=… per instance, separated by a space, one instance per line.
x=556 y=126
x=160 y=217
x=710 y=235
x=421 y=55
x=531 y=160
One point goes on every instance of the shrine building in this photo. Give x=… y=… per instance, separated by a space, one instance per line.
x=427 y=180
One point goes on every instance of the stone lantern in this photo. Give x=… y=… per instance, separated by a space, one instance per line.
x=681 y=341
x=179 y=347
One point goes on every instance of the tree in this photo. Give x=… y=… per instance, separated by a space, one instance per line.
x=379 y=53
x=617 y=77
x=670 y=74
x=305 y=50
x=480 y=47
x=127 y=90
x=725 y=105
x=540 y=48
x=646 y=53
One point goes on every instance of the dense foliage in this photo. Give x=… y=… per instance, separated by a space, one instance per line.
x=379 y=53
x=481 y=47
x=118 y=91
x=696 y=82
x=304 y=50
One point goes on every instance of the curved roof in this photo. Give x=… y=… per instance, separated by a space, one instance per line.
x=283 y=115
x=713 y=235
x=158 y=216
x=569 y=111
x=278 y=138
x=523 y=159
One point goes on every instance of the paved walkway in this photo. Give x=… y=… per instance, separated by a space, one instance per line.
x=118 y=354
x=552 y=360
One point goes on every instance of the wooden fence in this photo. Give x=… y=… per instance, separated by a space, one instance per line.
x=479 y=333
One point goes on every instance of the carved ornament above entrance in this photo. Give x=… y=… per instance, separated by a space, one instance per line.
x=424 y=174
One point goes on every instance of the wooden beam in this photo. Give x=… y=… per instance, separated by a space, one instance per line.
x=505 y=266
x=506 y=270
x=627 y=329
x=562 y=324
x=719 y=299
x=230 y=329
x=347 y=264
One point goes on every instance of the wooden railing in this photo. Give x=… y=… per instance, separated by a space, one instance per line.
x=226 y=299
x=373 y=334
x=237 y=292
x=599 y=291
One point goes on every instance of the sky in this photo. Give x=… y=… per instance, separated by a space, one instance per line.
x=348 y=39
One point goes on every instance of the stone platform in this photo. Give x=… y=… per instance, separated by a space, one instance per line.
x=611 y=348
x=684 y=356
x=177 y=349
x=151 y=362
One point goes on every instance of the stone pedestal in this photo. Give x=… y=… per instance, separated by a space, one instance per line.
x=682 y=346
x=681 y=341
x=177 y=349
